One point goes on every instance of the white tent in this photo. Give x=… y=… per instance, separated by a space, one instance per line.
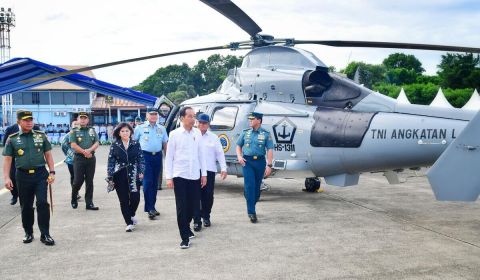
x=402 y=98
x=473 y=103
x=440 y=100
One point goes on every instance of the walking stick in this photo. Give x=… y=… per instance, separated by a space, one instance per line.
x=51 y=197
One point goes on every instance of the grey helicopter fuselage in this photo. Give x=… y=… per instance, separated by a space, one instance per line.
x=323 y=124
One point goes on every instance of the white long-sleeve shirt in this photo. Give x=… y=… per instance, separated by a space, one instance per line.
x=213 y=151
x=185 y=156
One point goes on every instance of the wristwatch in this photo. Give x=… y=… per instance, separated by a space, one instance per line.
x=52 y=172
x=270 y=165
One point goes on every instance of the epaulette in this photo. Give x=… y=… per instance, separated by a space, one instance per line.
x=14 y=134
x=247 y=129
x=39 y=131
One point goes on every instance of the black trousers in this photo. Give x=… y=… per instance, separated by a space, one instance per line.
x=84 y=170
x=128 y=200
x=13 y=172
x=70 y=170
x=31 y=186
x=185 y=199
x=205 y=198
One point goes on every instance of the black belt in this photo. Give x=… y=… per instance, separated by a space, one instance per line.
x=152 y=153
x=31 y=170
x=79 y=154
x=254 y=157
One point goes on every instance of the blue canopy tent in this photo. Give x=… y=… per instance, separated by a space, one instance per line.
x=18 y=74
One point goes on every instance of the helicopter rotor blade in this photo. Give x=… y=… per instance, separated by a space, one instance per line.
x=388 y=45
x=103 y=65
x=231 y=11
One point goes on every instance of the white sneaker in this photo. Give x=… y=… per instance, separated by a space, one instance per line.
x=130 y=228
x=134 y=220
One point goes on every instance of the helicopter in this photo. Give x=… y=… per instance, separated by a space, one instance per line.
x=326 y=125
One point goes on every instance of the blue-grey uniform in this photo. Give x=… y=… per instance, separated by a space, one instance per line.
x=151 y=138
x=254 y=144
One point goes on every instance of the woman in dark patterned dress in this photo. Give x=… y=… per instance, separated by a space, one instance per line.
x=125 y=169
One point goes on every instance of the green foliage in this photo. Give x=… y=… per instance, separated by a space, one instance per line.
x=459 y=71
x=424 y=79
x=178 y=97
x=401 y=76
x=403 y=61
x=402 y=68
x=419 y=93
x=458 y=97
x=180 y=82
x=208 y=75
x=369 y=74
x=166 y=79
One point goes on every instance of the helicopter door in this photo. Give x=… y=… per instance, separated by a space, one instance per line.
x=227 y=122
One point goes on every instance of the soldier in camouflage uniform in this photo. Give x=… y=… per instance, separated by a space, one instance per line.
x=31 y=150
x=84 y=141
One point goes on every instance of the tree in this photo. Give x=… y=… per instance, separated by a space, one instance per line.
x=166 y=79
x=370 y=74
x=178 y=97
x=459 y=71
x=208 y=75
x=402 y=69
x=405 y=61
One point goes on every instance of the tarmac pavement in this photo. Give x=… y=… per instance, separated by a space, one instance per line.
x=370 y=231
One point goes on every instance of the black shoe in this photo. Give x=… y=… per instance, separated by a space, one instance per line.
x=28 y=238
x=185 y=244
x=206 y=222
x=14 y=200
x=253 y=218
x=151 y=215
x=156 y=213
x=197 y=227
x=47 y=240
x=91 y=207
x=79 y=197
x=74 y=204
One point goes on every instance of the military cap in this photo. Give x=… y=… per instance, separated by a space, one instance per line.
x=138 y=119
x=255 y=115
x=203 y=118
x=83 y=114
x=23 y=115
x=152 y=110
x=129 y=119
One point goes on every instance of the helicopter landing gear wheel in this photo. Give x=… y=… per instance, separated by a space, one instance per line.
x=312 y=184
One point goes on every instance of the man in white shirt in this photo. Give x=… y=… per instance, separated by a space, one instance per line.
x=213 y=153
x=185 y=170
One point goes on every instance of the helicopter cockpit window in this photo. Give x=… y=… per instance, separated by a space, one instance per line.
x=227 y=83
x=256 y=59
x=289 y=59
x=223 y=118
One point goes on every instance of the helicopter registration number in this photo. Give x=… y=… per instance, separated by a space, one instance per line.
x=285 y=147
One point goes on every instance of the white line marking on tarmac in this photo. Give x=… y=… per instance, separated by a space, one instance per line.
x=4 y=190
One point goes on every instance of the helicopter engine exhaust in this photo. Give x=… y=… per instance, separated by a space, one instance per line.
x=315 y=82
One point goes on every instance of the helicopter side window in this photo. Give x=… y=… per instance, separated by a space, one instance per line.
x=223 y=118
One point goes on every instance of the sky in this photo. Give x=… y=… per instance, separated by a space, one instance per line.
x=90 y=32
